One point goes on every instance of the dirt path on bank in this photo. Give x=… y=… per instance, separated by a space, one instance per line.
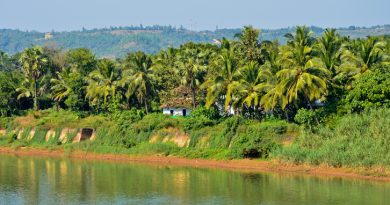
x=376 y=174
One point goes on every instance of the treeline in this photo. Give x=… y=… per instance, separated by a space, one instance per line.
x=304 y=80
x=118 y=41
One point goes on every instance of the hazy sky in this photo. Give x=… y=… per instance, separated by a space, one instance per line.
x=45 y=15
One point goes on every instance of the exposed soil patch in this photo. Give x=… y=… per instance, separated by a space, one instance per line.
x=177 y=136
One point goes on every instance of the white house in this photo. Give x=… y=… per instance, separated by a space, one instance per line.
x=176 y=111
x=178 y=103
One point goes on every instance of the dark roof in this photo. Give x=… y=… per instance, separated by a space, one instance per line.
x=180 y=97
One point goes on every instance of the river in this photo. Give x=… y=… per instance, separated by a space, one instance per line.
x=37 y=180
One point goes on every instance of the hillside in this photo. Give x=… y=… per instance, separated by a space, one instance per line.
x=116 y=42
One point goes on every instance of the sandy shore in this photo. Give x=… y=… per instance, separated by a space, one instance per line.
x=377 y=174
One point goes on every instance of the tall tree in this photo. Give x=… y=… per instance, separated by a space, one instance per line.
x=299 y=78
x=192 y=66
x=81 y=60
x=9 y=82
x=103 y=82
x=222 y=81
x=138 y=78
x=329 y=50
x=252 y=85
x=166 y=72
x=33 y=64
x=61 y=87
x=365 y=53
x=249 y=44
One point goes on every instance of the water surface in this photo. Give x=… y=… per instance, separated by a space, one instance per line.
x=32 y=180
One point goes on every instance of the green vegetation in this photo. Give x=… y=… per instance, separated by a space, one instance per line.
x=313 y=100
x=360 y=140
x=118 y=41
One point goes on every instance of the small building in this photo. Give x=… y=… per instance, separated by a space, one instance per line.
x=176 y=111
x=178 y=102
x=48 y=35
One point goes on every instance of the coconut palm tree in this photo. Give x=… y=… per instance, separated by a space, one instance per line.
x=103 y=82
x=191 y=62
x=222 y=82
x=33 y=64
x=329 y=49
x=60 y=88
x=300 y=77
x=138 y=78
x=253 y=82
x=365 y=53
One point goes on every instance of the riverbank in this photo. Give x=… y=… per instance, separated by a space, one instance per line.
x=376 y=174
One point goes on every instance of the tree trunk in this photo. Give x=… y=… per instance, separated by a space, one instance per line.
x=311 y=108
x=193 y=94
x=146 y=106
x=57 y=106
x=193 y=97
x=36 y=106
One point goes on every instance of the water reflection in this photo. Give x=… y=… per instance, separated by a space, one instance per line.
x=27 y=180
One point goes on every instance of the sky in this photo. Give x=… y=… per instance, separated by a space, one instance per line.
x=66 y=15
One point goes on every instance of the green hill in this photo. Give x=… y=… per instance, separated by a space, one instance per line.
x=117 y=41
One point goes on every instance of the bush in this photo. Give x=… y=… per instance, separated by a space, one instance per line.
x=254 y=141
x=125 y=118
x=5 y=122
x=309 y=118
x=353 y=140
x=197 y=122
x=201 y=111
x=149 y=122
x=371 y=90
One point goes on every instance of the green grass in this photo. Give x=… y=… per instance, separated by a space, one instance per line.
x=358 y=140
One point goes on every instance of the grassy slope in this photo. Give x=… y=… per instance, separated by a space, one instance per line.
x=359 y=140
x=354 y=140
x=227 y=138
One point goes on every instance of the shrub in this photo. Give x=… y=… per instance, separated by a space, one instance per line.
x=201 y=111
x=253 y=141
x=125 y=118
x=353 y=140
x=5 y=122
x=371 y=90
x=309 y=118
x=197 y=122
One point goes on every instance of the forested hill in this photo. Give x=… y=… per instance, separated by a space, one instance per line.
x=117 y=41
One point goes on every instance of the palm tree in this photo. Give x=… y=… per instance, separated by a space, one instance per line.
x=138 y=78
x=272 y=57
x=365 y=53
x=192 y=64
x=329 y=50
x=33 y=62
x=253 y=82
x=103 y=82
x=60 y=88
x=299 y=77
x=222 y=82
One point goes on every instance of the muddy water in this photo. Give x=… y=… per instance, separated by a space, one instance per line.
x=32 y=180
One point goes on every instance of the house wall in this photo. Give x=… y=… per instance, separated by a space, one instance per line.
x=176 y=111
